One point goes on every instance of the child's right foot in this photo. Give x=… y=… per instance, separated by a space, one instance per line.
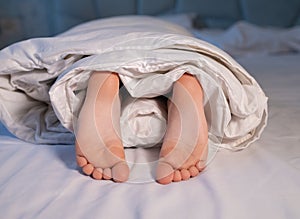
x=184 y=150
x=99 y=148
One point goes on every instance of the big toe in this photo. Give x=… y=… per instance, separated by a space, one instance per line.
x=164 y=173
x=120 y=172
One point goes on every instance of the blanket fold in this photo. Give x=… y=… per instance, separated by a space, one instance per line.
x=43 y=81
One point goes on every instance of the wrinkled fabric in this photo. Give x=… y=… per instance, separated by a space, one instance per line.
x=43 y=80
x=246 y=39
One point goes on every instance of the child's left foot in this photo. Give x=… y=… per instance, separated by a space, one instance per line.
x=99 y=149
x=184 y=150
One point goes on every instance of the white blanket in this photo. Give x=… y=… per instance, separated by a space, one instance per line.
x=43 y=80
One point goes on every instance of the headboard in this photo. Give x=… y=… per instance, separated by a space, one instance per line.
x=33 y=18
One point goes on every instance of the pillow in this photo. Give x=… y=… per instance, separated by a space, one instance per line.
x=245 y=39
x=184 y=20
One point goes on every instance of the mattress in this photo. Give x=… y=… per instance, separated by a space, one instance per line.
x=261 y=181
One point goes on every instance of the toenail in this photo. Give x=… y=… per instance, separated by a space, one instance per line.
x=177 y=176
x=107 y=173
x=193 y=171
x=97 y=174
x=88 y=169
x=185 y=174
x=201 y=165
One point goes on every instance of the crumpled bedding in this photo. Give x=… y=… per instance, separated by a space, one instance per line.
x=43 y=82
x=246 y=39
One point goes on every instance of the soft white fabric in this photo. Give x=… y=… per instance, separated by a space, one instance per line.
x=143 y=121
x=245 y=39
x=262 y=181
x=45 y=78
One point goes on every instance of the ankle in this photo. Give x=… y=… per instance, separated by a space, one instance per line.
x=188 y=88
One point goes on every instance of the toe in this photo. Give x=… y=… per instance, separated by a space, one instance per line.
x=107 y=173
x=88 y=169
x=81 y=161
x=165 y=173
x=120 y=172
x=97 y=173
x=201 y=165
x=193 y=171
x=177 y=176
x=165 y=180
x=185 y=174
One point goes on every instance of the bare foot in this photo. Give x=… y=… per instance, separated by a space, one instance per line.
x=184 y=150
x=99 y=148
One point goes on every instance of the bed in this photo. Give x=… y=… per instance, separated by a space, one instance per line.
x=260 y=181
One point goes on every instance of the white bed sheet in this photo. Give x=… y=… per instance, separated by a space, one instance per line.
x=262 y=181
